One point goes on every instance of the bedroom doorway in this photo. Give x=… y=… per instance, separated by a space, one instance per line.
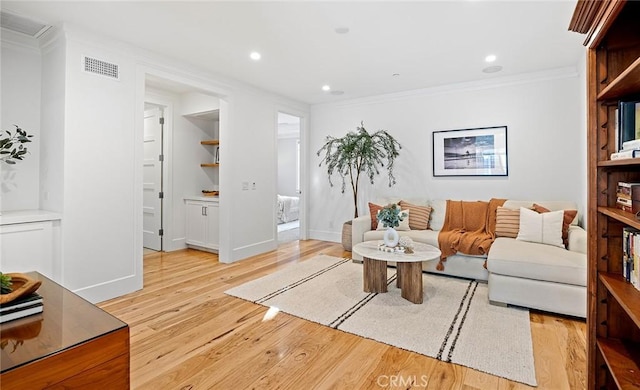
x=289 y=188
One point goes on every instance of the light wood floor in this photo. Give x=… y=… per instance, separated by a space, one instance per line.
x=187 y=334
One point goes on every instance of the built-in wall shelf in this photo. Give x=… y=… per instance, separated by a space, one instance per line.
x=621 y=215
x=210 y=142
x=212 y=165
x=627 y=296
x=628 y=82
x=623 y=162
x=621 y=358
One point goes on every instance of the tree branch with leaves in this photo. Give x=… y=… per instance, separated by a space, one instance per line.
x=12 y=146
x=359 y=152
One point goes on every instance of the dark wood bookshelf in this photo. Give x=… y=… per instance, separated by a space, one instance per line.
x=613 y=304
x=627 y=83
x=621 y=215
x=623 y=162
x=627 y=296
x=622 y=361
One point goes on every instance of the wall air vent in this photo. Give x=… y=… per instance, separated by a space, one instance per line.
x=99 y=67
x=22 y=25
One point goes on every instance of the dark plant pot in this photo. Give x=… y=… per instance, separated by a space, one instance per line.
x=346 y=236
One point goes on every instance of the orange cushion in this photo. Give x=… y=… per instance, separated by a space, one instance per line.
x=373 y=210
x=569 y=216
x=418 y=215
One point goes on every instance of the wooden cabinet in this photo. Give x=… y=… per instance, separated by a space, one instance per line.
x=202 y=230
x=612 y=31
x=72 y=344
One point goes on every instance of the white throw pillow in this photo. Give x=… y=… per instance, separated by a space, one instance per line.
x=545 y=228
x=404 y=224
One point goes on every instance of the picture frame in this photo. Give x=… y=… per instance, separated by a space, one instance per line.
x=478 y=151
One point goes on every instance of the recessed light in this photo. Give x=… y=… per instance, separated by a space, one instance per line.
x=255 y=56
x=396 y=74
x=326 y=88
x=490 y=58
x=492 y=69
x=342 y=30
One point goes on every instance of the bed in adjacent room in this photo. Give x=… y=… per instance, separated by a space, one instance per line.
x=288 y=208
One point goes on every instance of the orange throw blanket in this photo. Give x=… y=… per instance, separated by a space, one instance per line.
x=469 y=227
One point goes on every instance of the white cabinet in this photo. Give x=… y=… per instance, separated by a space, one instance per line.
x=29 y=241
x=202 y=230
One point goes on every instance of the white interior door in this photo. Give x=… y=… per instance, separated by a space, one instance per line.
x=152 y=180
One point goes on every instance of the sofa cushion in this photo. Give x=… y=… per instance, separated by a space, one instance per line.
x=569 y=217
x=536 y=261
x=373 y=210
x=438 y=211
x=541 y=228
x=419 y=216
x=551 y=205
x=425 y=236
x=404 y=224
x=507 y=222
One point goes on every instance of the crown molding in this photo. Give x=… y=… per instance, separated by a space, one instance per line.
x=498 y=82
x=17 y=41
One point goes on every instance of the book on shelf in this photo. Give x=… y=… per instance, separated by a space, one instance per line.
x=631 y=145
x=624 y=201
x=633 y=153
x=627 y=128
x=22 y=307
x=631 y=255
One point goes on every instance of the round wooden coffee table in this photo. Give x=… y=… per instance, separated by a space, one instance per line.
x=409 y=275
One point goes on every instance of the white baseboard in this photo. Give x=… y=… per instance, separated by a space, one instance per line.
x=251 y=250
x=111 y=289
x=325 y=236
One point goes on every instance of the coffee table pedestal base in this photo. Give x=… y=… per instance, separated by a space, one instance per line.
x=409 y=278
x=375 y=275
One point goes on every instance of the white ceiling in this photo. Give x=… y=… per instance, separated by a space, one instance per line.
x=428 y=43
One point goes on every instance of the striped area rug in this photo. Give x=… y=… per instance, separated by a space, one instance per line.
x=455 y=323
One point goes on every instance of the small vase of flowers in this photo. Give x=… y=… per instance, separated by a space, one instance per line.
x=390 y=216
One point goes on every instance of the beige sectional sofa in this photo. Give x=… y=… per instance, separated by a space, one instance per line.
x=519 y=272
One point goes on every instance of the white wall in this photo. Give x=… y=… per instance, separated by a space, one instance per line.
x=545 y=143
x=21 y=75
x=287 y=166
x=91 y=163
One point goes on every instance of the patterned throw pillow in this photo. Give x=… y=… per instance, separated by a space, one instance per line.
x=507 y=222
x=419 y=216
x=569 y=216
x=404 y=224
x=373 y=210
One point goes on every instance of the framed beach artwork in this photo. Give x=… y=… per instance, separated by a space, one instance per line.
x=470 y=152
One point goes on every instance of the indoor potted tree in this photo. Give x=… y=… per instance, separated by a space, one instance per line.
x=359 y=152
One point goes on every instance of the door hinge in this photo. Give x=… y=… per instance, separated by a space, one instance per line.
x=161 y=195
x=161 y=157
x=161 y=121
x=161 y=232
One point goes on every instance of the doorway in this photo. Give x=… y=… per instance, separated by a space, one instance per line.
x=152 y=173
x=289 y=191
